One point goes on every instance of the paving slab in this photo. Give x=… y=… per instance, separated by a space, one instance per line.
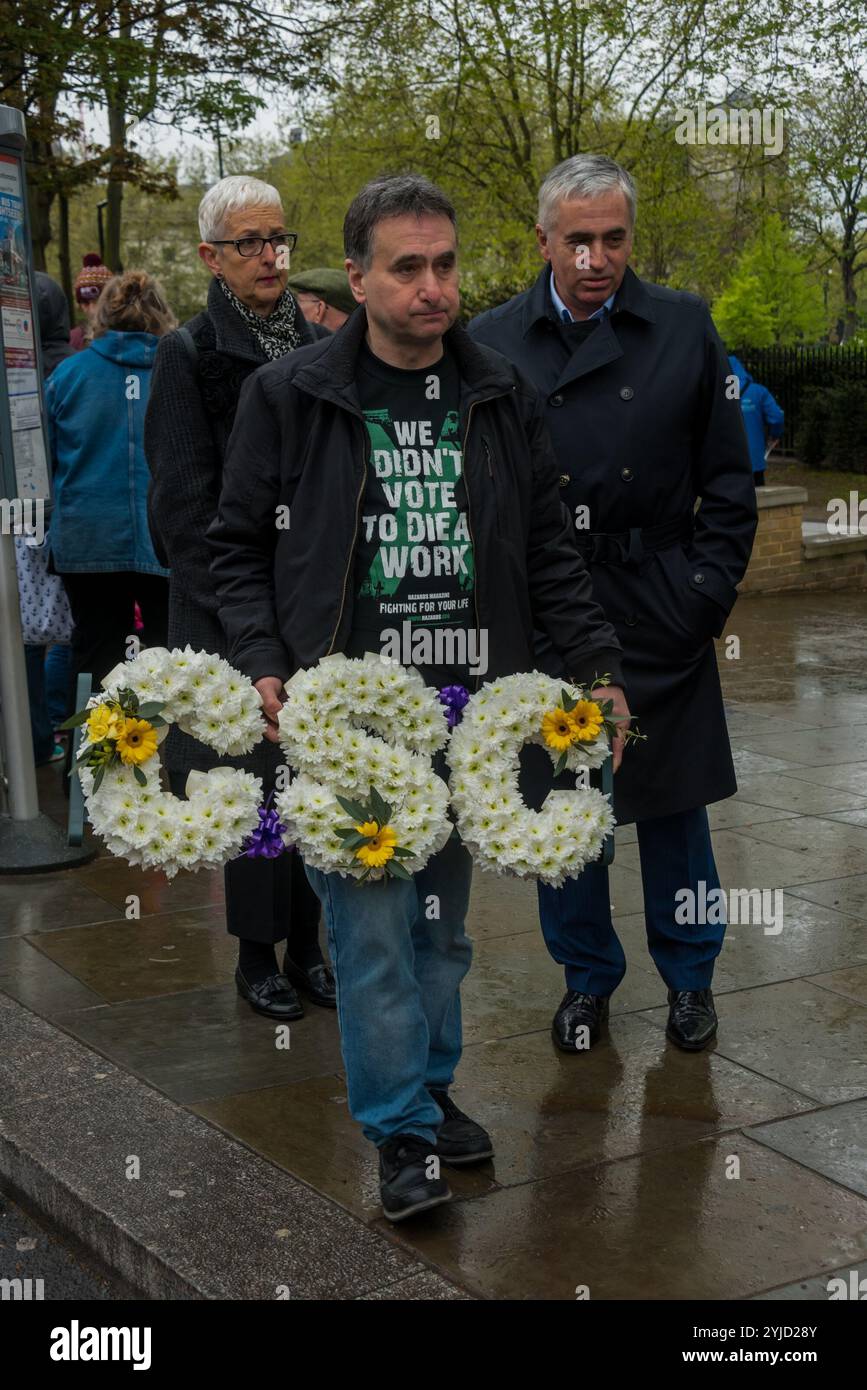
x=206 y=1043
x=31 y=978
x=809 y=1039
x=831 y=1142
x=48 y=902
x=817 y=1289
x=162 y=954
x=663 y=1225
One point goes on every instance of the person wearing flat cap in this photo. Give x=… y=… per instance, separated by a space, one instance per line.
x=324 y=296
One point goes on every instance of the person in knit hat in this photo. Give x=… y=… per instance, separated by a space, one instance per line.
x=89 y=284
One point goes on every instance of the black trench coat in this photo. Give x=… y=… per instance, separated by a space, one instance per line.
x=642 y=428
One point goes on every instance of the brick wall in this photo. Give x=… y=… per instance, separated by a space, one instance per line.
x=783 y=559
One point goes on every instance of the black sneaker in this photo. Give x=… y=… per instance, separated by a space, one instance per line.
x=404 y=1185
x=459 y=1139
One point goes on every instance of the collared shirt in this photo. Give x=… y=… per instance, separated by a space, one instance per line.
x=565 y=315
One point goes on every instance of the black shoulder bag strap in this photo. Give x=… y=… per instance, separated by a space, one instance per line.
x=188 y=341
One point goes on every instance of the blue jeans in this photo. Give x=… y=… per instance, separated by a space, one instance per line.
x=675 y=853
x=398 y=972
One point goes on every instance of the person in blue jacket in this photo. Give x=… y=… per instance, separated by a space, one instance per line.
x=99 y=537
x=763 y=418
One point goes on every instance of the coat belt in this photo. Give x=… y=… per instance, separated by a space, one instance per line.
x=630 y=547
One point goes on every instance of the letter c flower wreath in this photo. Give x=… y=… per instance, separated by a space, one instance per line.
x=120 y=770
x=495 y=823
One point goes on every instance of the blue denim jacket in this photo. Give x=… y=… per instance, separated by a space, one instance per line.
x=96 y=405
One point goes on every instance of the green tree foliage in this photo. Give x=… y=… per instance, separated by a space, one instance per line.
x=772 y=297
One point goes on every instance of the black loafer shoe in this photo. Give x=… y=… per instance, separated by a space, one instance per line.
x=459 y=1139
x=317 y=982
x=692 y=1020
x=584 y=1012
x=404 y=1183
x=273 y=997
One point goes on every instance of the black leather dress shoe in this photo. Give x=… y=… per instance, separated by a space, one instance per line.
x=459 y=1139
x=408 y=1181
x=692 y=1020
x=317 y=982
x=273 y=997
x=579 y=1011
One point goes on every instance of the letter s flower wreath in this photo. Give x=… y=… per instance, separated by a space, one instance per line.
x=361 y=733
x=120 y=770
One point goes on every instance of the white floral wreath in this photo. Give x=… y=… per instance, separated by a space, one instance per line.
x=500 y=830
x=361 y=733
x=120 y=770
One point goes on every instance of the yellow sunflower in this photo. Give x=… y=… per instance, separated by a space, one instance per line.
x=105 y=721
x=558 y=729
x=587 y=718
x=137 y=741
x=380 y=848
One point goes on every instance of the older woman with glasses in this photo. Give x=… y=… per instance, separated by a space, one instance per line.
x=251 y=318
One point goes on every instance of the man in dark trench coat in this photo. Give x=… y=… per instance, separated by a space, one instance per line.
x=634 y=377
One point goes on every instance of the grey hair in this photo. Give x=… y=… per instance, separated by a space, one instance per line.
x=391 y=195
x=230 y=195
x=584 y=176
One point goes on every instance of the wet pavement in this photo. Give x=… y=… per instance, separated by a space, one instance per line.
x=636 y=1170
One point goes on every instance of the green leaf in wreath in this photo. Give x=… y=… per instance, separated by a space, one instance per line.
x=75 y=719
x=380 y=807
x=353 y=809
x=356 y=840
x=150 y=708
x=567 y=701
x=403 y=852
x=139 y=776
x=98 y=776
x=396 y=870
x=561 y=763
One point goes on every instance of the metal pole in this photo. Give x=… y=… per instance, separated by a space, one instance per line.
x=14 y=701
x=30 y=841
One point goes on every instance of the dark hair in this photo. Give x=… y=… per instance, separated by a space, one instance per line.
x=390 y=195
x=134 y=303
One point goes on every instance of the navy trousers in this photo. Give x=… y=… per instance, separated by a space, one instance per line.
x=676 y=853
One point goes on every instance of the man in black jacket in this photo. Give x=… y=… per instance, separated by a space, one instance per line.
x=325 y=433
x=634 y=379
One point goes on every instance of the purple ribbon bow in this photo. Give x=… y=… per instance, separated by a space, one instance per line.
x=454 y=697
x=266 y=841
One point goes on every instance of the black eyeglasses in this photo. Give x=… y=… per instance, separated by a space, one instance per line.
x=255 y=245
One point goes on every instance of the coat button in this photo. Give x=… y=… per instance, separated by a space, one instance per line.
x=631 y=619
x=565 y=480
x=626 y=393
x=698 y=578
x=627 y=475
x=555 y=400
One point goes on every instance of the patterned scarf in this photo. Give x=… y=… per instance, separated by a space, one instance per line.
x=278 y=333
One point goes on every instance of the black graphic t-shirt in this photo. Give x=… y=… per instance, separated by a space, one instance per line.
x=414 y=571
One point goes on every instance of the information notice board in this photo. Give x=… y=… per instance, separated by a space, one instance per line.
x=19 y=343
